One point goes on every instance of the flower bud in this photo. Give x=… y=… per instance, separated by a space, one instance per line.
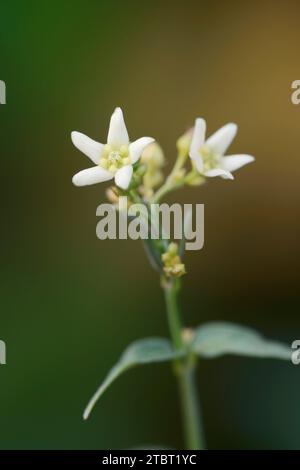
x=184 y=142
x=153 y=158
x=196 y=180
x=153 y=155
x=173 y=267
x=187 y=335
x=112 y=195
x=175 y=271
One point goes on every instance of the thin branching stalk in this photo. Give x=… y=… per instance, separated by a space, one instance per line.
x=184 y=370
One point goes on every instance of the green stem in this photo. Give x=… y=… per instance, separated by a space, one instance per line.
x=194 y=436
x=165 y=189
x=171 y=288
x=171 y=184
x=185 y=371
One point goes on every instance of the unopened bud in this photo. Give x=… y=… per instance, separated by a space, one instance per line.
x=112 y=195
x=184 y=142
x=153 y=159
x=187 y=335
x=153 y=155
x=177 y=270
x=173 y=267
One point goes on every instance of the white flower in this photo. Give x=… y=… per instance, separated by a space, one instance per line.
x=112 y=160
x=208 y=155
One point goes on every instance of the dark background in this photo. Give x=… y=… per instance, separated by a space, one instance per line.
x=69 y=303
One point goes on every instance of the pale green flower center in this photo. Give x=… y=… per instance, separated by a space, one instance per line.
x=113 y=159
x=211 y=159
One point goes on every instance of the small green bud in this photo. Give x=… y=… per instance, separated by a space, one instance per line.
x=175 y=271
x=173 y=249
x=153 y=155
x=173 y=267
x=153 y=160
x=197 y=180
x=184 y=142
x=187 y=335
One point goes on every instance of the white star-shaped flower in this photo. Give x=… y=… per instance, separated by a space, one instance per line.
x=112 y=160
x=208 y=155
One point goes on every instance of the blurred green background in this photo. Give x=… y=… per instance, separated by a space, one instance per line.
x=69 y=303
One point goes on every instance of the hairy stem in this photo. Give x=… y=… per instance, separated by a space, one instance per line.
x=184 y=371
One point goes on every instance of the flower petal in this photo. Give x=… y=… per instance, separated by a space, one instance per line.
x=123 y=176
x=89 y=147
x=234 y=162
x=221 y=139
x=219 y=172
x=198 y=163
x=197 y=138
x=136 y=148
x=93 y=175
x=117 y=133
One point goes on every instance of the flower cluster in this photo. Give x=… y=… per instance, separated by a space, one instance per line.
x=122 y=160
x=137 y=169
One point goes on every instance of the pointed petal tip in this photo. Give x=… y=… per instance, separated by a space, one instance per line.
x=88 y=146
x=74 y=136
x=118 y=110
x=117 y=132
x=234 y=162
x=231 y=127
x=200 y=121
x=75 y=180
x=227 y=176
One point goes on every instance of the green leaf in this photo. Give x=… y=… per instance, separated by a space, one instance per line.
x=143 y=351
x=217 y=338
